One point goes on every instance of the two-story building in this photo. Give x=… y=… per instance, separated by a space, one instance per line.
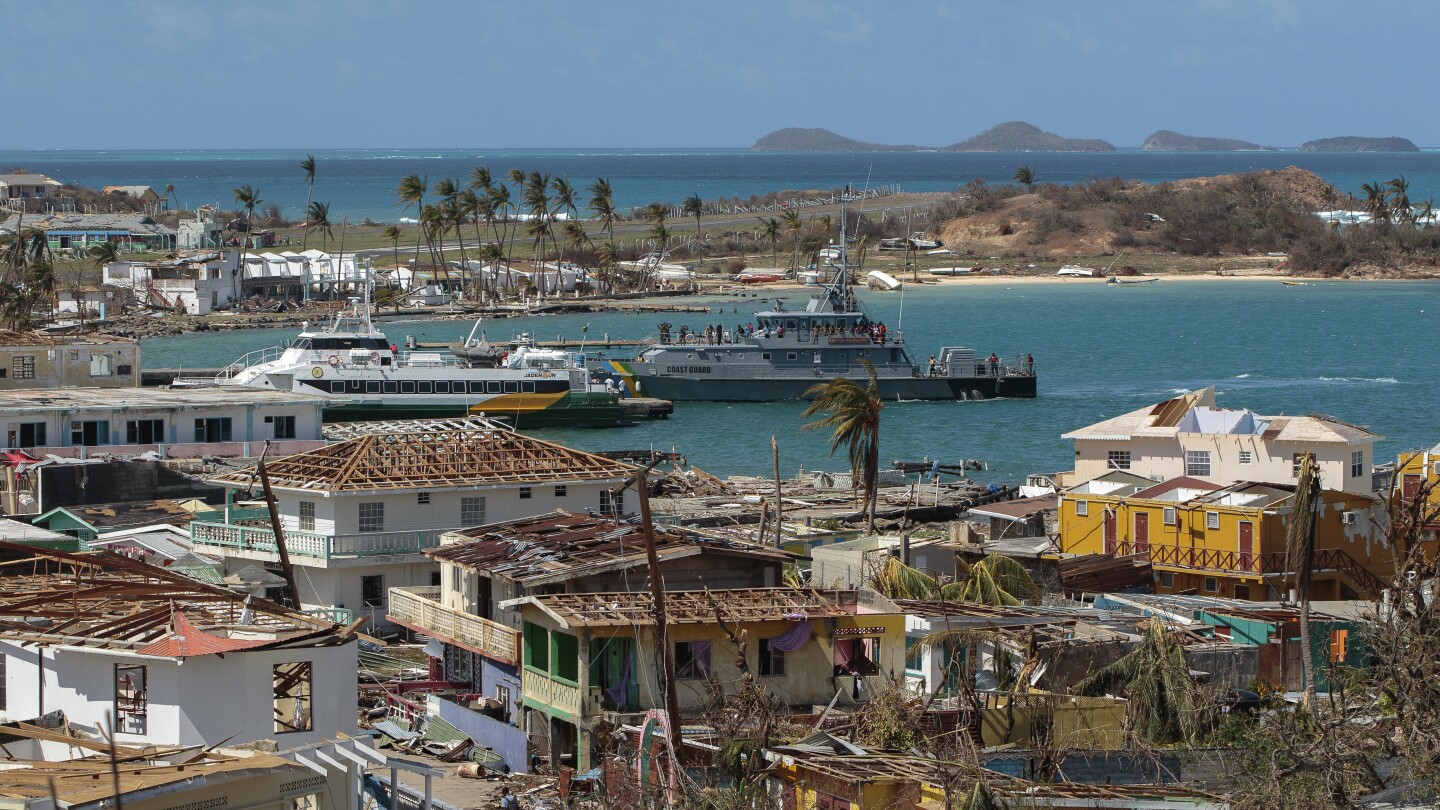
x=1204 y=538
x=1189 y=436
x=31 y=360
x=170 y=660
x=590 y=661
x=18 y=190
x=196 y=284
x=358 y=514
x=482 y=568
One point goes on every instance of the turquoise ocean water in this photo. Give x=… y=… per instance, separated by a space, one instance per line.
x=360 y=183
x=1361 y=351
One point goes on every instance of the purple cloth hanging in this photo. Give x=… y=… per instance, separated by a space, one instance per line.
x=621 y=691
x=792 y=639
x=702 y=658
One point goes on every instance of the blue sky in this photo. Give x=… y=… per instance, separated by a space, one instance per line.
x=372 y=73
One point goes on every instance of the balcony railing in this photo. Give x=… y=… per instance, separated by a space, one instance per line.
x=313 y=544
x=420 y=610
x=1206 y=559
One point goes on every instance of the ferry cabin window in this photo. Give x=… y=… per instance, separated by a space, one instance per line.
x=492 y=387
x=301 y=343
x=307 y=516
x=337 y=387
x=764 y=355
x=407 y=386
x=372 y=386
x=512 y=387
x=284 y=427
x=145 y=431
x=212 y=430
x=1197 y=462
x=477 y=387
x=424 y=387
x=390 y=387
x=442 y=386
x=527 y=387
x=790 y=355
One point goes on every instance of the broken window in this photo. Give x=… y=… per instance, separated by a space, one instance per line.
x=292 y=684
x=566 y=657
x=692 y=659
x=1339 y=645
x=372 y=590
x=857 y=656
x=100 y=365
x=772 y=659
x=132 y=699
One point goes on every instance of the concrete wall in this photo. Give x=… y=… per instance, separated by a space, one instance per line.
x=247 y=424
x=199 y=700
x=118 y=481
x=69 y=366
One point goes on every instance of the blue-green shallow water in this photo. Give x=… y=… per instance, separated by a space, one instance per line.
x=1364 y=352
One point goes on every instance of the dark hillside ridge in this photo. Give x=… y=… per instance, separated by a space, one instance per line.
x=1169 y=141
x=1353 y=143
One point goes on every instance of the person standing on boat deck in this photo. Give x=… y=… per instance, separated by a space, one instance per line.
x=994 y=364
x=1030 y=364
x=932 y=365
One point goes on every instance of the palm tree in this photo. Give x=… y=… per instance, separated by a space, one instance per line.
x=1400 y=199
x=693 y=206
x=995 y=580
x=1025 y=177
x=169 y=194
x=411 y=191
x=854 y=419
x=317 y=218
x=308 y=166
x=249 y=198
x=1155 y=679
x=1377 y=201
x=791 y=224
x=602 y=204
x=770 y=229
x=1300 y=555
x=100 y=255
x=392 y=232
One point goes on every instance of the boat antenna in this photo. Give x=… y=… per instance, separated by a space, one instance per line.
x=900 y=324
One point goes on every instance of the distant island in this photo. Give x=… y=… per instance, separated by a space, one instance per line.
x=1012 y=136
x=1351 y=143
x=1018 y=136
x=1167 y=141
x=797 y=139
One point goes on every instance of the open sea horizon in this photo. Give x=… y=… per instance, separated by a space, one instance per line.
x=360 y=184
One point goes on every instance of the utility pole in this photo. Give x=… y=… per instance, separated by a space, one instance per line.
x=286 y=570
x=662 y=630
x=775 y=449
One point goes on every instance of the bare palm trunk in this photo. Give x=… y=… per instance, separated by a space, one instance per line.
x=305 y=242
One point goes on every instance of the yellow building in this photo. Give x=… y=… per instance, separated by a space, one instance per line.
x=30 y=360
x=1229 y=541
x=589 y=660
x=1416 y=474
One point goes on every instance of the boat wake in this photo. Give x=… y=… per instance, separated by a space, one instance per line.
x=1385 y=380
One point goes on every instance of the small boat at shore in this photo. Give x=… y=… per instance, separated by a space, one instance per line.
x=1117 y=280
x=951 y=271
x=884 y=282
x=759 y=276
x=1076 y=271
x=1298 y=283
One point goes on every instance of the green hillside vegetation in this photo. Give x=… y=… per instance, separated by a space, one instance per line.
x=797 y=139
x=1170 y=141
x=1353 y=143
x=1018 y=136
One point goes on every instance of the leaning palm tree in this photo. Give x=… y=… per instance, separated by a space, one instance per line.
x=854 y=419
x=392 y=232
x=1300 y=555
x=168 y=194
x=1377 y=201
x=308 y=166
x=1025 y=177
x=770 y=229
x=1155 y=679
x=411 y=191
x=790 y=223
x=694 y=206
x=602 y=205
x=317 y=218
x=995 y=580
x=248 y=198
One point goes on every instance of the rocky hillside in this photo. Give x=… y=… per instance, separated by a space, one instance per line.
x=1241 y=213
x=796 y=139
x=1018 y=136
x=1352 y=143
x=1168 y=141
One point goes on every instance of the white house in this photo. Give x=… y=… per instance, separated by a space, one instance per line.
x=358 y=514
x=1190 y=436
x=174 y=661
x=198 y=283
x=226 y=421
